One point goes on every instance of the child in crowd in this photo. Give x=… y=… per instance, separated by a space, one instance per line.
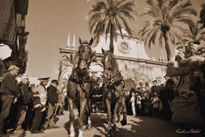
x=132 y=100
x=139 y=103
x=155 y=103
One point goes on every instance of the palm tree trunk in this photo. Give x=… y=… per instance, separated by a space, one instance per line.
x=111 y=40
x=167 y=46
x=60 y=70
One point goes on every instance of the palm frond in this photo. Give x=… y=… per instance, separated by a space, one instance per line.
x=157 y=22
x=184 y=20
x=94 y=17
x=201 y=31
x=160 y=39
x=172 y=38
x=183 y=5
x=119 y=27
x=98 y=7
x=180 y=28
x=107 y=31
x=173 y=3
x=180 y=12
x=127 y=14
x=150 y=35
x=177 y=36
x=154 y=7
x=153 y=37
x=127 y=28
x=151 y=13
x=127 y=6
x=145 y=27
x=119 y=3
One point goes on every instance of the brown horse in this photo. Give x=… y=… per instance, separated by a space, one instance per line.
x=80 y=85
x=113 y=85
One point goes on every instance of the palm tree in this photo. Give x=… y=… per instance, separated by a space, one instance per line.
x=108 y=17
x=195 y=34
x=67 y=62
x=165 y=26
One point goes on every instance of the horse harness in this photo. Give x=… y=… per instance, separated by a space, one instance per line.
x=80 y=77
x=111 y=83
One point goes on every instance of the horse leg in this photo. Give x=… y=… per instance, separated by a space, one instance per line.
x=72 y=117
x=115 y=112
x=89 y=107
x=109 y=115
x=124 y=110
x=119 y=113
x=83 y=103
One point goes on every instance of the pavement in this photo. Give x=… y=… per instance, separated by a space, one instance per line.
x=136 y=127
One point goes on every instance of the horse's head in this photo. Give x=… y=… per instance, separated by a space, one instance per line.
x=108 y=60
x=84 y=53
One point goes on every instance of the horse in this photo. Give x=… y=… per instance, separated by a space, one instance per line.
x=113 y=86
x=80 y=85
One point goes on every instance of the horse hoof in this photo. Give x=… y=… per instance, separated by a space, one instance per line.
x=124 y=122
x=80 y=133
x=72 y=134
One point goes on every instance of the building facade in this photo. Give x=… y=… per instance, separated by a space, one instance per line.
x=133 y=61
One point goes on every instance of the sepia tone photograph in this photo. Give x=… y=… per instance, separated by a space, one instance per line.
x=102 y=68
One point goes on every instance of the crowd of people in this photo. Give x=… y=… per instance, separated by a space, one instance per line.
x=28 y=106
x=148 y=100
x=181 y=98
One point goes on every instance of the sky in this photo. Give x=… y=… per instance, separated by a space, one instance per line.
x=50 y=22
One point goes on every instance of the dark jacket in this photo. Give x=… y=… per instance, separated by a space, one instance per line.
x=9 y=86
x=26 y=94
x=52 y=95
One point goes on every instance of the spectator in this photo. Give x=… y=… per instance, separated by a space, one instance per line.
x=138 y=104
x=23 y=102
x=39 y=102
x=9 y=93
x=29 y=113
x=166 y=96
x=52 y=97
x=132 y=100
x=155 y=104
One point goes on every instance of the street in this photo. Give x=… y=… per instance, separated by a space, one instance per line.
x=136 y=127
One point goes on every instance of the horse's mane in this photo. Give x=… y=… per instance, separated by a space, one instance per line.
x=114 y=61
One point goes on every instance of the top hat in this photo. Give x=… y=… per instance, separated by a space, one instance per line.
x=54 y=81
x=44 y=79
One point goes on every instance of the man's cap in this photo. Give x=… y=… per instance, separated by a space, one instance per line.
x=54 y=81
x=13 y=67
x=43 y=79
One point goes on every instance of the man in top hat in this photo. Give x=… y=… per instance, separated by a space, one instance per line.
x=9 y=93
x=52 y=97
x=39 y=102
